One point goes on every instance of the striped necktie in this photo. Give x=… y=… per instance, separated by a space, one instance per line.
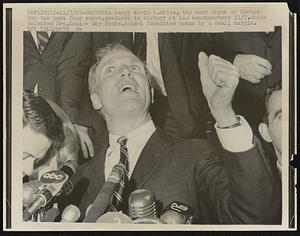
x=117 y=199
x=43 y=39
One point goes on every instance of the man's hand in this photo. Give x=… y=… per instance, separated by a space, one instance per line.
x=219 y=79
x=85 y=141
x=252 y=68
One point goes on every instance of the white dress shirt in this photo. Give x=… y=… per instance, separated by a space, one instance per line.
x=136 y=140
x=237 y=139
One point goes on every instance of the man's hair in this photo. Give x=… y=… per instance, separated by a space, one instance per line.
x=102 y=52
x=40 y=117
x=268 y=92
x=49 y=119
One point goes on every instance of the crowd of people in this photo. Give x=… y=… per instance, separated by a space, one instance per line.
x=198 y=115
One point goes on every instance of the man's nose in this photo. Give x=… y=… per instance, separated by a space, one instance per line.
x=125 y=72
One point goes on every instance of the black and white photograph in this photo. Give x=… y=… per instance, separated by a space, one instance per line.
x=142 y=117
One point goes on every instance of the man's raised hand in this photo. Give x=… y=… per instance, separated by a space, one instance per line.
x=219 y=79
x=252 y=68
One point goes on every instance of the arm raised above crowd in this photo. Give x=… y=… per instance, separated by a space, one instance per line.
x=241 y=184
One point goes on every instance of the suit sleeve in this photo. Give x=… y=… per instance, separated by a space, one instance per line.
x=242 y=186
x=71 y=72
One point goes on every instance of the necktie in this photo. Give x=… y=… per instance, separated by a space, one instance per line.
x=43 y=39
x=117 y=198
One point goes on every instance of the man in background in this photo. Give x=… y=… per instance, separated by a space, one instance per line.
x=270 y=128
x=55 y=67
x=49 y=138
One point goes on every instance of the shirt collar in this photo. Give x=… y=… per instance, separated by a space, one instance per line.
x=137 y=137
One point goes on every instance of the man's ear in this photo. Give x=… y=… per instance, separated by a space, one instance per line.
x=96 y=101
x=264 y=132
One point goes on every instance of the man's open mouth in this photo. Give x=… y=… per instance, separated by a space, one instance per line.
x=127 y=87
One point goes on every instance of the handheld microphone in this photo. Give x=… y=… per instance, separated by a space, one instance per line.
x=70 y=214
x=114 y=217
x=103 y=198
x=177 y=213
x=69 y=167
x=32 y=187
x=53 y=185
x=142 y=204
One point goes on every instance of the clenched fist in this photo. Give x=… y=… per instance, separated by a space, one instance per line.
x=219 y=79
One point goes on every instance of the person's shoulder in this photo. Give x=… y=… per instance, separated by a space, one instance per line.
x=185 y=144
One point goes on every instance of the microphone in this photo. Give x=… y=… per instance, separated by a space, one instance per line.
x=114 y=217
x=70 y=214
x=88 y=209
x=142 y=206
x=53 y=185
x=69 y=167
x=32 y=187
x=103 y=198
x=177 y=213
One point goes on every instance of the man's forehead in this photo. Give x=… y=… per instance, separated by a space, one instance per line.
x=275 y=101
x=117 y=55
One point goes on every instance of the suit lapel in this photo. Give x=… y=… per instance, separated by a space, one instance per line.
x=151 y=157
x=32 y=42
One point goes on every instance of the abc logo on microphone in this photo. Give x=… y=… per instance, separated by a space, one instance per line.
x=54 y=176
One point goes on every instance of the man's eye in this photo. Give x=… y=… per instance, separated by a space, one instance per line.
x=135 y=67
x=280 y=116
x=109 y=70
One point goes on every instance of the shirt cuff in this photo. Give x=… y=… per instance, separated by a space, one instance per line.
x=237 y=139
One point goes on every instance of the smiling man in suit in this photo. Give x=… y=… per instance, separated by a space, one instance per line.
x=175 y=170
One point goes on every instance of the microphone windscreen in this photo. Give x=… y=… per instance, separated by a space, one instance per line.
x=141 y=204
x=177 y=213
x=70 y=167
x=29 y=189
x=172 y=217
x=88 y=209
x=70 y=214
x=114 y=217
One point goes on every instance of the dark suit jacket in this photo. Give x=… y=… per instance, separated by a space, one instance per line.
x=60 y=70
x=184 y=111
x=242 y=190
